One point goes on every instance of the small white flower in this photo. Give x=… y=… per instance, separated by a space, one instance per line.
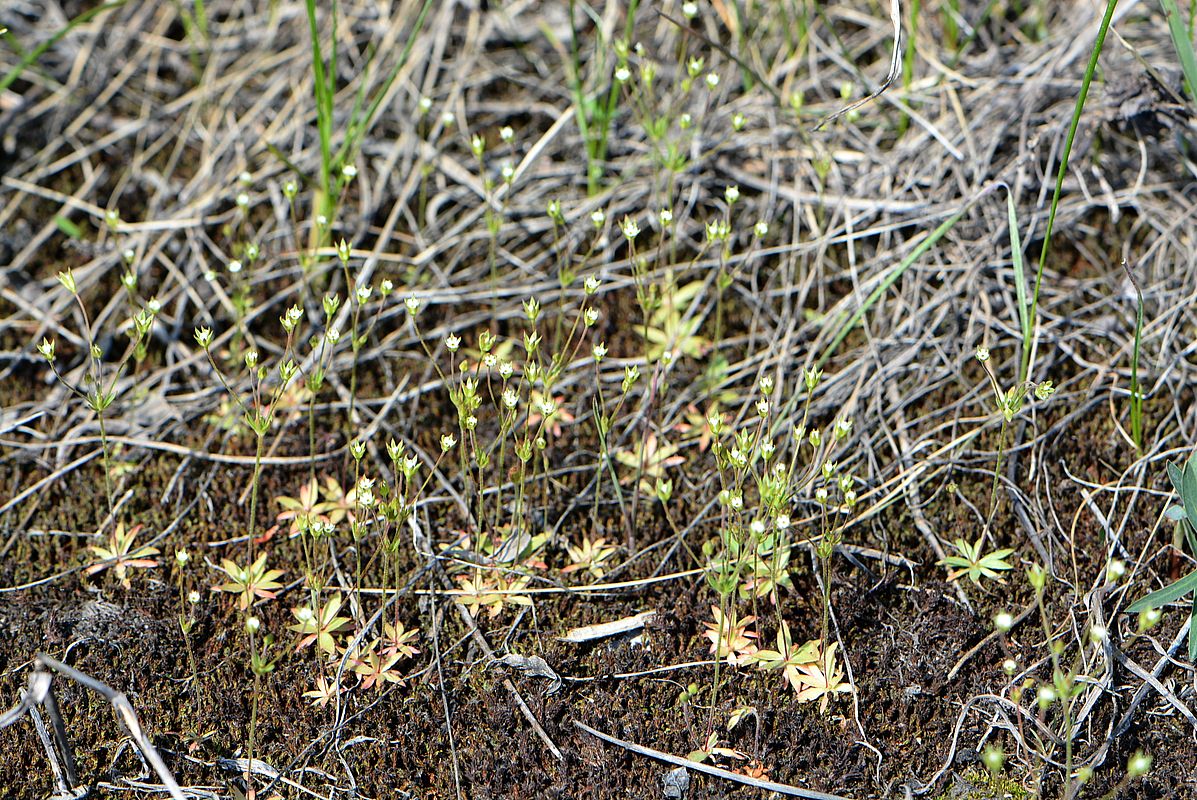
x=490 y=360
x=349 y=172
x=182 y=557
x=448 y=441
x=332 y=335
x=452 y=342
x=506 y=370
x=600 y=351
x=252 y=624
x=510 y=398
x=234 y=266
x=712 y=80
x=447 y=119
x=737 y=503
x=506 y=133
x=629 y=227
x=425 y=104
x=154 y=305
x=242 y=200
x=622 y=74
x=193 y=597
x=689 y=10
x=731 y=194
x=413 y=304
x=1003 y=621
x=982 y=354
x=757 y=527
x=598 y=217
x=304 y=614
x=591 y=285
x=782 y=522
x=821 y=495
x=507 y=171
x=761 y=229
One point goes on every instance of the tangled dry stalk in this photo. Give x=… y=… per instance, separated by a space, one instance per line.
x=116 y=117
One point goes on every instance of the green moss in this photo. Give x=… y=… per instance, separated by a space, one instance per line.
x=983 y=785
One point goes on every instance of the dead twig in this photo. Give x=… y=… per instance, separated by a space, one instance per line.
x=707 y=769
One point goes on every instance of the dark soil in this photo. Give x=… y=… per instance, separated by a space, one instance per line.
x=903 y=635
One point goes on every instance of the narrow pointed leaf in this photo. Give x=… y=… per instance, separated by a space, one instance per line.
x=1173 y=591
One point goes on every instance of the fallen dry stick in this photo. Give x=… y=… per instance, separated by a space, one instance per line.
x=707 y=769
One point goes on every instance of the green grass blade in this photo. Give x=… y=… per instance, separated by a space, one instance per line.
x=361 y=126
x=1090 y=68
x=1183 y=45
x=1160 y=597
x=320 y=85
x=1193 y=633
x=33 y=55
x=890 y=279
x=1020 y=278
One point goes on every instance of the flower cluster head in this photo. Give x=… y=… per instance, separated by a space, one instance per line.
x=718 y=230
x=291 y=319
x=630 y=229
